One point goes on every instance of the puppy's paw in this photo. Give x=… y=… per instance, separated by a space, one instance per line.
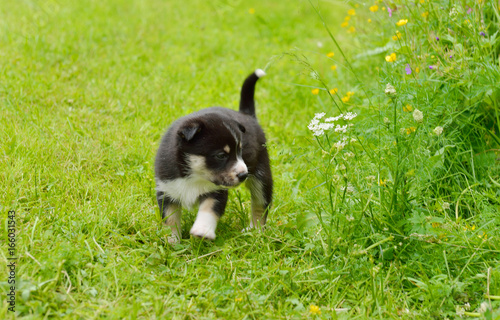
x=203 y=231
x=173 y=239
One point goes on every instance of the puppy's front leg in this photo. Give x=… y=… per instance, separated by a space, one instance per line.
x=171 y=216
x=212 y=207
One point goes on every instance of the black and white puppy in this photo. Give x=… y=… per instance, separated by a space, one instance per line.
x=204 y=154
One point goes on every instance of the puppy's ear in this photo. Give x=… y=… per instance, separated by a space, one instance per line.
x=241 y=127
x=188 y=131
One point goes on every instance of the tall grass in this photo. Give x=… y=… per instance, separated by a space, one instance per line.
x=412 y=181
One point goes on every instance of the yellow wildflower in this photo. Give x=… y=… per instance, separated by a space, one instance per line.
x=314 y=309
x=351 y=30
x=351 y=12
x=251 y=10
x=382 y=183
x=330 y=54
x=344 y=24
x=425 y=14
x=334 y=67
x=410 y=130
x=374 y=8
x=346 y=99
x=402 y=22
x=383 y=8
x=391 y=57
x=417 y=69
x=350 y=93
x=397 y=36
x=407 y=108
x=369 y=20
x=422 y=1
x=315 y=91
x=347 y=18
x=238 y=299
x=334 y=90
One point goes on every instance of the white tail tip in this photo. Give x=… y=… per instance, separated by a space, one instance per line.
x=260 y=73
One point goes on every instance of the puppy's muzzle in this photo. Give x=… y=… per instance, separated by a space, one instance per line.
x=242 y=176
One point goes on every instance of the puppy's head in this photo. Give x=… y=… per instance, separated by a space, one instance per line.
x=211 y=150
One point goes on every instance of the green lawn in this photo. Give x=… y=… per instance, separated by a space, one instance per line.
x=87 y=88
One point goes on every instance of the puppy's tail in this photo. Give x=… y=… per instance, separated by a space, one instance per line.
x=247 y=104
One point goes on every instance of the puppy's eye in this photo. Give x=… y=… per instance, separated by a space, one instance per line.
x=221 y=156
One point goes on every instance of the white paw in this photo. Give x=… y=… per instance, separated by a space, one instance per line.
x=205 y=224
x=203 y=231
x=259 y=227
x=173 y=239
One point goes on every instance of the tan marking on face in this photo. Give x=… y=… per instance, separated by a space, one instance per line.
x=227 y=149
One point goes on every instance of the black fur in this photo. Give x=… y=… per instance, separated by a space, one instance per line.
x=204 y=152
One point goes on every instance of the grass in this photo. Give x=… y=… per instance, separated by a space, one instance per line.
x=405 y=227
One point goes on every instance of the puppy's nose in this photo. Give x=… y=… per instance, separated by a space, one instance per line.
x=242 y=176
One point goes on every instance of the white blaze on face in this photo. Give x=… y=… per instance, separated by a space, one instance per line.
x=240 y=167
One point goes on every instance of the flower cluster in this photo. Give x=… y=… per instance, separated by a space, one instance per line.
x=318 y=128
x=390 y=90
x=347 y=97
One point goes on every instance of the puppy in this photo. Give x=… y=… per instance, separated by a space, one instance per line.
x=204 y=154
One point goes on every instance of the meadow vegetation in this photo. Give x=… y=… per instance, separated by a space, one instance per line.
x=382 y=121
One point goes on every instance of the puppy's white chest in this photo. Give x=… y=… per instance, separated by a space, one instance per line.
x=186 y=190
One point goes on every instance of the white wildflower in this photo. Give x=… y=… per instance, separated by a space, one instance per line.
x=339 y=128
x=318 y=128
x=319 y=44
x=349 y=218
x=483 y=307
x=349 y=116
x=339 y=145
x=390 y=90
x=467 y=306
x=319 y=115
x=453 y=13
x=438 y=130
x=333 y=119
x=314 y=75
x=460 y=311
x=445 y=206
x=418 y=116
x=349 y=189
x=386 y=120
